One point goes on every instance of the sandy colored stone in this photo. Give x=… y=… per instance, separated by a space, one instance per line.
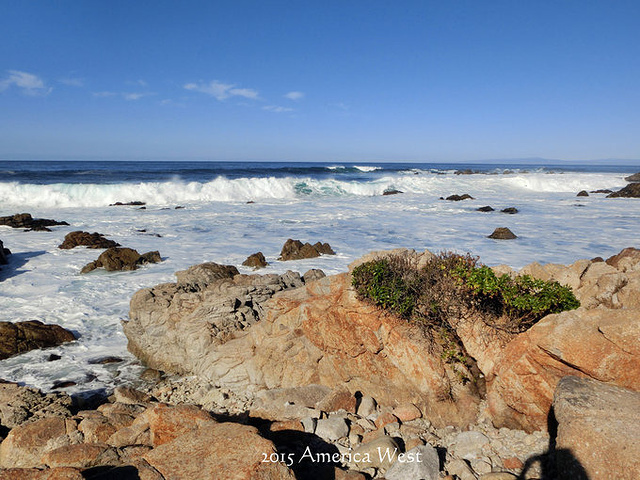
x=339 y=398
x=287 y=425
x=62 y=473
x=96 y=429
x=220 y=451
x=598 y=430
x=169 y=422
x=407 y=412
x=83 y=455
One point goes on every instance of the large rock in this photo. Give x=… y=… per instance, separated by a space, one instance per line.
x=21 y=337
x=598 y=430
x=25 y=220
x=256 y=261
x=317 y=334
x=457 y=198
x=503 y=233
x=86 y=239
x=19 y=404
x=296 y=250
x=116 y=258
x=599 y=343
x=173 y=327
x=632 y=190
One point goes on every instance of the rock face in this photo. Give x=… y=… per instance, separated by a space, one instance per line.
x=503 y=233
x=19 y=404
x=630 y=191
x=598 y=340
x=25 y=220
x=316 y=334
x=633 y=178
x=116 y=258
x=296 y=250
x=457 y=198
x=256 y=261
x=86 y=239
x=21 y=337
x=174 y=326
x=598 y=430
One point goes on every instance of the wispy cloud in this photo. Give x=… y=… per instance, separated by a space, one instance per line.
x=72 y=82
x=139 y=83
x=222 y=91
x=136 y=96
x=294 y=95
x=29 y=83
x=277 y=109
x=104 y=94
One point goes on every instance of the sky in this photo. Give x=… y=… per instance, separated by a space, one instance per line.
x=425 y=81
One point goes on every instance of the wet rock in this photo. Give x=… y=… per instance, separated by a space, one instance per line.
x=488 y=208
x=296 y=250
x=391 y=192
x=630 y=191
x=86 y=239
x=134 y=203
x=604 y=190
x=457 y=198
x=21 y=337
x=53 y=357
x=633 y=178
x=502 y=233
x=104 y=360
x=256 y=261
x=466 y=171
x=3 y=254
x=25 y=220
x=509 y=210
x=598 y=430
x=582 y=193
x=58 y=384
x=121 y=258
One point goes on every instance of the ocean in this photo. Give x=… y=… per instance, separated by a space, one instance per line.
x=234 y=209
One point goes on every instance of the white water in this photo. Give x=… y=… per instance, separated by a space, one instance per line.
x=43 y=283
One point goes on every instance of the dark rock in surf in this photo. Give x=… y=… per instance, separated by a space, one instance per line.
x=256 y=261
x=86 y=239
x=502 y=233
x=604 y=190
x=296 y=250
x=3 y=254
x=457 y=198
x=25 y=220
x=466 y=171
x=582 y=193
x=488 y=208
x=21 y=337
x=509 y=210
x=104 y=360
x=121 y=204
x=633 y=178
x=391 y=192
x=630 y=191
x=121 y=258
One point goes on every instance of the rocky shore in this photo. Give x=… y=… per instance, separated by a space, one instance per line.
x=292 y=376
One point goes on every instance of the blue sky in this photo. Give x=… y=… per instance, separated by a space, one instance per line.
x=330 y=80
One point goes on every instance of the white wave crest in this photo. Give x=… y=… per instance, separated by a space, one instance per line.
x=366 y=168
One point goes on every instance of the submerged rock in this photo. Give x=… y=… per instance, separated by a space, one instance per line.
x=488 y=208
x=21 y=337
x=503 y=233
x=121 y=258
x=121 y=204
x=457 y=198
x=509 y=210
x=296 y=250
x=391 y=192
x=86 y=239
x=256 y=261
x=25 y=220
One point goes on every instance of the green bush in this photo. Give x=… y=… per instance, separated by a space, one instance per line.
x=451 y=286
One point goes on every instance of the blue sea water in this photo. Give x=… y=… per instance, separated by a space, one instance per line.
x=233 y=209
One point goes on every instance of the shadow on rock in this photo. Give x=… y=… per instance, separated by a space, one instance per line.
x=556 y=464
x=15 y=261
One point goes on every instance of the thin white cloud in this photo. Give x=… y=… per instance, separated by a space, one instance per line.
x=139 y=83
x=277 y=109
x=294 y=95
x=136 y=96
x=221 y=91
x=104 y=94
x=29 y=83
x=72 y=82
